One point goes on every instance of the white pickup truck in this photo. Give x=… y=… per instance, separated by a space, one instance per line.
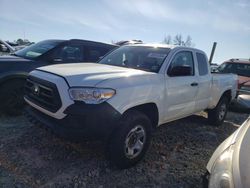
x=131 y=91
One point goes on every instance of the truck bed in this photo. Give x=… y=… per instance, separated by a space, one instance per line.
x=220 y=83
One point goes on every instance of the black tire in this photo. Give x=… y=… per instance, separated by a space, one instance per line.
x=136 y=122
x=217 y=115
x=11 y=97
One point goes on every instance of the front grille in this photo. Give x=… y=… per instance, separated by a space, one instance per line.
x=43 y=93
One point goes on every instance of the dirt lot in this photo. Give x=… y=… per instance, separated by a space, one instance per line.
x=32 y=157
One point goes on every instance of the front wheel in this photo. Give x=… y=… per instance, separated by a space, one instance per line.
x=217 y=115
x=11 y=97
x=129 y=143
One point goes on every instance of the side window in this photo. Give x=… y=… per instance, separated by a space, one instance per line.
x=202 y=64
x=182 y=65
x=94 y=53
x=69 y=54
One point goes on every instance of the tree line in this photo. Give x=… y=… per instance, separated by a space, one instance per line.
x=179 y=40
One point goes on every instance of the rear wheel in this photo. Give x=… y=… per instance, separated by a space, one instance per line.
x=217 y=115
x=129 y=143
x=11 y=97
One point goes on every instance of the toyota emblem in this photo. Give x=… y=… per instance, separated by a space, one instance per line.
x=36 y=89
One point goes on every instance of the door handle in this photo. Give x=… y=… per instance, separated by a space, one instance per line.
x=194 y=84
x=57 y=60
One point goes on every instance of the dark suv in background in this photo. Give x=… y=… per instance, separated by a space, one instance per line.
x=15 y=68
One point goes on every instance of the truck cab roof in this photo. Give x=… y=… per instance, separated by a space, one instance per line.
x=238 y=60
x=159 y=45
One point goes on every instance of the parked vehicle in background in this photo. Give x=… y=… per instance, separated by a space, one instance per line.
x=5 y=48
x=126 y=42
x=241 y=67
x=229 y=166
x=127 y=94
x=214 y=67
x=17 y=46
x=13 y=44
x=14 y=69
x=241 y=103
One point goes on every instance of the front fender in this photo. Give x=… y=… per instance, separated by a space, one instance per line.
x=228 y=142
x=12 y=75
x=222 y=147
x=128 y=98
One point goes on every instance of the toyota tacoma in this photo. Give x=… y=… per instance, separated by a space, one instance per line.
x=126 y=95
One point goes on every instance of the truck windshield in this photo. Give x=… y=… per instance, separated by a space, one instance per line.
x=36 y=50
x=241 y=69
x=137 y=57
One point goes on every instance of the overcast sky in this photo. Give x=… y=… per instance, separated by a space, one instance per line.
x=225 y=21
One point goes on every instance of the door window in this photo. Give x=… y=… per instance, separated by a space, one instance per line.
x=94 y=53
x=182 y=64
x=202 y=64
x=69 y=54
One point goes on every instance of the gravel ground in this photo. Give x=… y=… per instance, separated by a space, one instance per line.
x=32 y=157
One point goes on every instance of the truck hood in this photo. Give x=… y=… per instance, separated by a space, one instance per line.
x=12 y=59
x=90 y=74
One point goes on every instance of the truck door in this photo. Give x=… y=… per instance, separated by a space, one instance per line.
x=205 y=82
x=181 y=85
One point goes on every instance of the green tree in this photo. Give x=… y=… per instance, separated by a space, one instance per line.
x=19 y=41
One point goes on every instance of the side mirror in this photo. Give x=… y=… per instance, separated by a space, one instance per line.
x=180 y=71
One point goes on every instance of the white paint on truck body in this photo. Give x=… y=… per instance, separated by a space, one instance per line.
x=174 y=97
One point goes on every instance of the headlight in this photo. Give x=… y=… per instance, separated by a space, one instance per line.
x=91 y=95
x=221 y=174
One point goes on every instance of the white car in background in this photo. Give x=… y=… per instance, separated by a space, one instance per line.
x=5 y=48
x=229 y=167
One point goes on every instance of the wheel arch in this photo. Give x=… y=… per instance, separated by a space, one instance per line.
x=227 y=94
x=14 y=76
x=150 y=110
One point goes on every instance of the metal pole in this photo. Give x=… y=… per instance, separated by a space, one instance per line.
x=212 y=53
